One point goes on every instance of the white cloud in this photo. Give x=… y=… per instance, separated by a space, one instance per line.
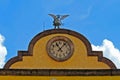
x=86 y=14
x=3 y=51
x=109 y=51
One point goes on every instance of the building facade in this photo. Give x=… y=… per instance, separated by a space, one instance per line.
x=59 y=54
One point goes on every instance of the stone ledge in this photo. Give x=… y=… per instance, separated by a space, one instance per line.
x=59 y=72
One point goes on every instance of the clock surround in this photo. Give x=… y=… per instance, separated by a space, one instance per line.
x=60 y=48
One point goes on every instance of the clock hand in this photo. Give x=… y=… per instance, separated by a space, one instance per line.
x=60 y=49
x=57 y=45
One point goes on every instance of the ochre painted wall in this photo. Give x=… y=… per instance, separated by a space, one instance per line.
x=41 y=60
x=59 y=77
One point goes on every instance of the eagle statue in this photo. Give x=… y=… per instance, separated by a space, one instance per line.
x=57 y=20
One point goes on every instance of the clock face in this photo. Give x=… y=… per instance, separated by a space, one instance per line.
x=60 y=48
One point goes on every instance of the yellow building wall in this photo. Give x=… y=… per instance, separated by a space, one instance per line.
x=41 y=60
x=59 y=77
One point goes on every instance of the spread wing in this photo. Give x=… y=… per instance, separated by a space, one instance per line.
x=52 y=15
x=64 y=16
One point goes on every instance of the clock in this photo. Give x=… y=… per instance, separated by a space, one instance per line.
x=60 y=48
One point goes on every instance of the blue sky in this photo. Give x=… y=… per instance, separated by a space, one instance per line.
x=21 y=20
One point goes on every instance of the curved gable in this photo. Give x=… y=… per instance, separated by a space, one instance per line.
x=83 y=58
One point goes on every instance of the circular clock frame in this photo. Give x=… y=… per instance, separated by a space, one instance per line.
x=57 y=44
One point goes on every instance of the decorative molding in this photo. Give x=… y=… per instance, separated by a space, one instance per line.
x=60 y=31
x=59 y=72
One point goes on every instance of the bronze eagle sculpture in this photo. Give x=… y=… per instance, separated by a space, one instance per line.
x=57 y=20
